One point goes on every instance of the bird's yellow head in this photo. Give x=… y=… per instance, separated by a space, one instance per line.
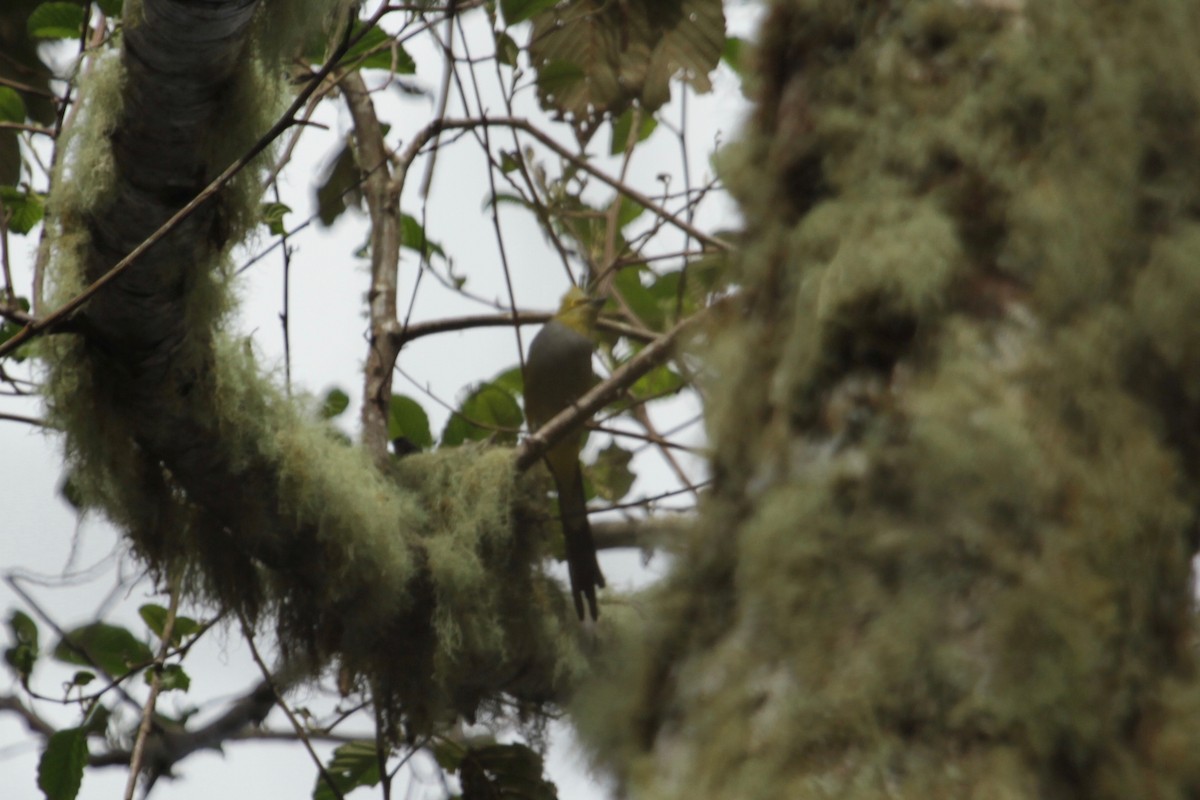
x=578 y=311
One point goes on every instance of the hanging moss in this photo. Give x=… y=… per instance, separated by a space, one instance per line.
x=425 y=581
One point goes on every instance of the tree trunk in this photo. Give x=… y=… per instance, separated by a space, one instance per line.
x=947 y=553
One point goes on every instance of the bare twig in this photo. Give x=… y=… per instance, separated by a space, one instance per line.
x=32 y=721
x=443 y=94
x=296 y=726
x=114 y=683
x=633 y=194
x=644 y=534
x=418 y=330
x=10 y=294
x=643 y=418
x=25 y=87
x=656 y=439
x=284 y=313
x=139 y=744
x=27 y=128
x=652 y=355
x=492 y=207
x=59 y=315
x=34 y=421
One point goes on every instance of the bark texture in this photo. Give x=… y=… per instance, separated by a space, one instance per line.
x=947 y=554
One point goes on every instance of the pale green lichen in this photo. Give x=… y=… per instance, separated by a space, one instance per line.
x=947 y=553
x=425 y=581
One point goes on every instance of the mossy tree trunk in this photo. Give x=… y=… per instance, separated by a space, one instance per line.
x=955 y=420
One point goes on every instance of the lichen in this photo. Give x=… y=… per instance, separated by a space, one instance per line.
x=947 y=552
x=423 y=580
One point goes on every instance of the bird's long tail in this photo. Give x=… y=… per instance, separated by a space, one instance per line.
x=582 y=565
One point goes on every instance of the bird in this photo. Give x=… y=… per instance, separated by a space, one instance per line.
x=558 y=371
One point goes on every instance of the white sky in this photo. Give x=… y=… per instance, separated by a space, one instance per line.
x=40 y=535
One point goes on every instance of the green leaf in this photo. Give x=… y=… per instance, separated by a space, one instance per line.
x=24 y=209
x=508 y=163
x=83 y=677
x=340 y=187
x=448 y=754
x=520 y=10
x=638 y=297
x=407 y=419
x=629 y=211
x=23 y=629
x=622 y=124
x=506 y=49
x=611 y=476
x=56 y=21
x=558 y=83
x=488 y=412
x=185 y=627
x=661 y=381
x=170 y=678
x=24 y=635
x=7 y=331
x=733 y=54
x=336 y=401
x=412 y=236
x=110 y=647
x=623 y=53
x=377 y=50
x=272 y=217
x=155 y=617
x=352 y=765
x=111 y=8
x=97 y=720
x=12 y=107
x=511 y=381
x=60 y=770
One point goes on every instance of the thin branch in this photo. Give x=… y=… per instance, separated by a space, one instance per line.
x=656 y=439
x=10 y=294
x=303 y=122
x=114 y=682
x=418 y=330
x=139 y=744
x=443 y=94
x=24 y=87
x=296 y=726
x=655 y=353
x=32 y=721
x=493 y=207
x=643 y=418
x=284 y=314
x=59 y=315
x=27 y=128
x=435 y=127
x=643 y=534
x=168 y=747
x=34 y=421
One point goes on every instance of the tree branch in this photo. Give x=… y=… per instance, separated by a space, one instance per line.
x=383 y=205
